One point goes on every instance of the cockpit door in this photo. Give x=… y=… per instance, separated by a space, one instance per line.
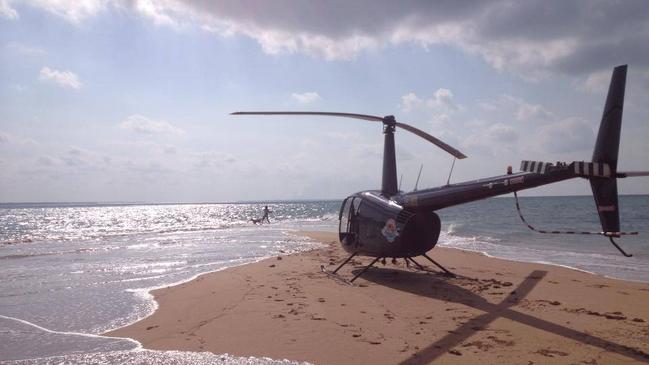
x=348 y=228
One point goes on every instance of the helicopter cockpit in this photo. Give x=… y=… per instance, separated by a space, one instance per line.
x=348 y=226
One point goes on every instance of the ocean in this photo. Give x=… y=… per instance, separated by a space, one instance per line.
x=69 y=272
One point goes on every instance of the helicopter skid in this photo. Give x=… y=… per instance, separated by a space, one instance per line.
x=335 y=276
x=445 y=272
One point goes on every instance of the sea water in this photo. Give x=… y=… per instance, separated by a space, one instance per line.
x=69 y=272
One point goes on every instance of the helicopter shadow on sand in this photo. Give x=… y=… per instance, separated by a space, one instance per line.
x=441 y=287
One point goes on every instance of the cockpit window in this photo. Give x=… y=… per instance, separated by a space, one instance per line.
x=344 y=215
x=357 y=205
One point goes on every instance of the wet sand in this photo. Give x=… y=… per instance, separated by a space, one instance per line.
x=495 y=312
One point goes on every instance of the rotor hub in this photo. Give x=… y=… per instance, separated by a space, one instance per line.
x=389 y=124
x=389 y=120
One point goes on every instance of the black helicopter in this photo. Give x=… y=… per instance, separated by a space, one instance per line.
x=389 y=223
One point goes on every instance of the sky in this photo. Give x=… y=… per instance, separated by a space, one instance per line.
x=129 y=101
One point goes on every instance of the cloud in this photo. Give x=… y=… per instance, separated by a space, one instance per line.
x=502 y=133
x=410 y=101
x=521 y=109
x=7 y=11
x=441 y=101
x=66 y=79
x=492 y=139
x=526 y=111
x=535 y=38
x=141 y=124
x=532 y=38
x=568 y=135
x=73 y=11
x=156 y=10
x=306 y=97
x=443 y=98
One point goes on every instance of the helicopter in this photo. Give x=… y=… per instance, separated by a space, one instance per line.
x=390 y=223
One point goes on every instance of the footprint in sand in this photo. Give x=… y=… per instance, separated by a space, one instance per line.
x=599 y=286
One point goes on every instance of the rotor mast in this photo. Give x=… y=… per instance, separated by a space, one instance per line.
x=389 y=185
x=389 y=182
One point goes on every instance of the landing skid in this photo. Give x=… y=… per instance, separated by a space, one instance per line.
x=338 y=277
x=334 y=275
x=420 y=267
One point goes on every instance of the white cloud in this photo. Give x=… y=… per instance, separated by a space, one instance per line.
x=73 y=11
x=441 y=101
x=567 y=135
x=156 y=10
x=141 y=124
x=306 y=97
x=491 y=139
x=502 y=133
x=67 y=79
x=526 y=111
x=7 y=11
x=410 y=101
x=521 y=109
x=443 y=98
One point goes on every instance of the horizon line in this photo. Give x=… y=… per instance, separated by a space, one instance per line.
x=251 y=201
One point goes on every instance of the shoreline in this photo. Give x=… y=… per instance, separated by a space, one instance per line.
x=486 y=254
x=285 y=307
x=565 y=266
x=147 y=294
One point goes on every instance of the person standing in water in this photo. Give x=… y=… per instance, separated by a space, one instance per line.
x=265 y=216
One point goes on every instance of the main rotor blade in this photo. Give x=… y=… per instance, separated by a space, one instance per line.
x=371 y=118
x=459 y=155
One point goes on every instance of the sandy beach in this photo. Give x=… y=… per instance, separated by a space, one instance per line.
x=495 y=312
